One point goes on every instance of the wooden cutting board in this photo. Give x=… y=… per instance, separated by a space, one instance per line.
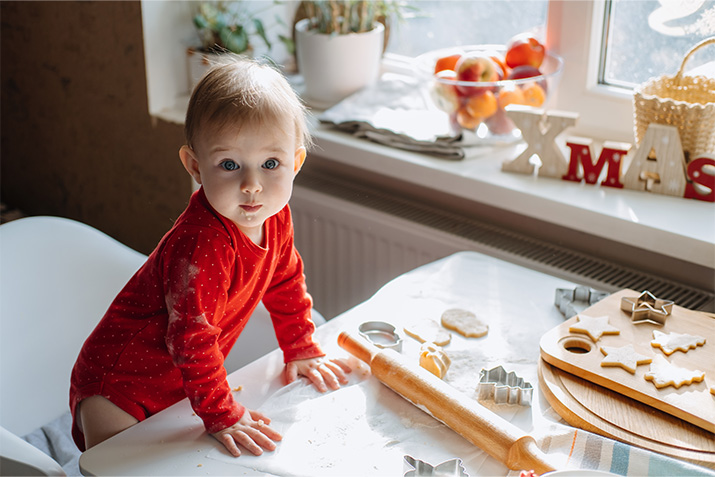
x=581 y=356
x=597 y=409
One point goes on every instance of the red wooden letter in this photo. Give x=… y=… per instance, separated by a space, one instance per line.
x=697 y=175
x=611 y=156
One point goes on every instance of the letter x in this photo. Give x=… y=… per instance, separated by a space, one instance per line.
x=539 y=129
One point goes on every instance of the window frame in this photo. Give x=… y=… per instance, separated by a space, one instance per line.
x=574 y=31
x=605 y=112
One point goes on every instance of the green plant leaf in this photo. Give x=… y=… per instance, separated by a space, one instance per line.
x=288 y=42
x=200 y=22
x=234 y=40
x=262 y=32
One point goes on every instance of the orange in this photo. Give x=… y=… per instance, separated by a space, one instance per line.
x=534 y=95
x=509 y=96
x=482 y=105
x=446 y=63
x=466 y=120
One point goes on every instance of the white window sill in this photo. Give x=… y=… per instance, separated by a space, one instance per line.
x=675 y=227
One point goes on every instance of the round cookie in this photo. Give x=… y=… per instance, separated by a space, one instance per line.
x=464 y=322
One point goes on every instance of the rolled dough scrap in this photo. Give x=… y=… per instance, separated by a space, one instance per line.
x=434 y=359
x=664 y=374
x=429 y=330
x=464 y=322
x=672 y=342
x=594 y=326
x=624 y=356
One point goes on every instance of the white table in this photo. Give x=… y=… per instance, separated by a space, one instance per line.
x=519 y=306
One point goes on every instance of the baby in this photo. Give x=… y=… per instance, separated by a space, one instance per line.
x=166 y=334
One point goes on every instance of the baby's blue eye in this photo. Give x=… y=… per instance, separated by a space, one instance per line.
x=229 y=165
x=270 y=164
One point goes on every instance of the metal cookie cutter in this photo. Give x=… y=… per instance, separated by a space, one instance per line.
x=381 y=334
x=645 y=308
x=504 y=387
x=566 y=299
x=416 y=468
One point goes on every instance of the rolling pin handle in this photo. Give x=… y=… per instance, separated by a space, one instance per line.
x=359 y=348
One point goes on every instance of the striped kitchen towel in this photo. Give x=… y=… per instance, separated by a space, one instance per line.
x=580 y=449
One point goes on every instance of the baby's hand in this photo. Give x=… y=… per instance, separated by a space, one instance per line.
x=252 y=432
x=324 y=373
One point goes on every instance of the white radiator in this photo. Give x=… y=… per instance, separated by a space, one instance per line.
x=350 y=251
x=354 y=239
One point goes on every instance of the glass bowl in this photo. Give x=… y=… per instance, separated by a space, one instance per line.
x=479 y=106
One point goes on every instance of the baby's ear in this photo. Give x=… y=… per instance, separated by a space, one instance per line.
x=191 y=162
x=300 y=154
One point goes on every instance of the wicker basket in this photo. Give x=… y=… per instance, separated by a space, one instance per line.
x=686 y=102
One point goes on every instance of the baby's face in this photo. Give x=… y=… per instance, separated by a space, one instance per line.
x=247 y=174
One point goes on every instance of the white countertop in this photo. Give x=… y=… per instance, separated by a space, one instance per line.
x=325 y=430
x=671 y=226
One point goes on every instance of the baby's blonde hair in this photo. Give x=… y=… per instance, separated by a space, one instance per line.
x=240 y=91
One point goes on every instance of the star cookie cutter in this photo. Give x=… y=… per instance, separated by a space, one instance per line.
x=503 y=387
x=416 y=468
x=646 y=308
x=566 y=299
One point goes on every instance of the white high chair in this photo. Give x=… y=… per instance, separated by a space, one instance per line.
x=57 y=278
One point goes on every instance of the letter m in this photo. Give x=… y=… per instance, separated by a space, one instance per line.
x=611 y=156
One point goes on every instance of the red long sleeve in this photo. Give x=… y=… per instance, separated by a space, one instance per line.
x=166 y=334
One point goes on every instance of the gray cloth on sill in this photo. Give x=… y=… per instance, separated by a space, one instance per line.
x=55 y=440
x=397 y=112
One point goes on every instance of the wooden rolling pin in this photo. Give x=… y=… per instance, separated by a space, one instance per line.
x=486 y=430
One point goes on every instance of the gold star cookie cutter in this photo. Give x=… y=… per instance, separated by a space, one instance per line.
x=646 y=308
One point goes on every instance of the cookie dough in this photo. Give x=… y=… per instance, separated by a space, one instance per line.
x=594 y=326
x=434 y=359
x=625 y=357
x=464 y=322
x=429 y=330
x=664 y=374
x=672 y=342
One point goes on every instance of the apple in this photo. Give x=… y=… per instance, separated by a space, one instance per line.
x=526 y=71
x=524 y=49
x=475 y=67
x=499 y=123
x=444 y=92
x=446 y=62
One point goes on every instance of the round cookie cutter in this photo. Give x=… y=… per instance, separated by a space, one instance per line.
x=381 y=334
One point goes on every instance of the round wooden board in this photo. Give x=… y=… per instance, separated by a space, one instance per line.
x=602 y=411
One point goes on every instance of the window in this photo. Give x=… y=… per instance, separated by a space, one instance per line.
x=573 y=29
x=643 y=39
x=442 y=24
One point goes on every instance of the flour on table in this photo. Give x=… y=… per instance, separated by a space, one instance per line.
x=325 y=434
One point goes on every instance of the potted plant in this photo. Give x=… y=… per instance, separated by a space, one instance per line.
x=339 y=46
x=224 y=26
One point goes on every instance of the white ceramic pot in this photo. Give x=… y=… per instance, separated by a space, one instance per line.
x=335 y=66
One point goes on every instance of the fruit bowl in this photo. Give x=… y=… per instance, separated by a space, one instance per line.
x=478 y=106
